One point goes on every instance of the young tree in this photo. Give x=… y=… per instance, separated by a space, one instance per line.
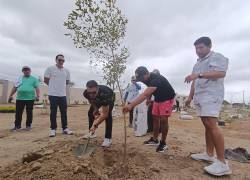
x=99 y=26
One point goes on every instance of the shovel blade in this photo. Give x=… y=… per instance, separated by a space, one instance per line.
x=80 y=150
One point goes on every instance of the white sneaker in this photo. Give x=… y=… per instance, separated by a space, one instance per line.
x=107 y=142
x=89 y=135
x=203 y=157
x=218 y=168
x=52 y=133
x=67 y=131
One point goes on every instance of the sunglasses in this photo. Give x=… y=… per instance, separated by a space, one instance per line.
x=61 y=60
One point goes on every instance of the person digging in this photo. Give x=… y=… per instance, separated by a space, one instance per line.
x=162 y=106
x=101 y=99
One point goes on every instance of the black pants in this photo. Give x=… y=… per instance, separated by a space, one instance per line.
x=108 y=121
x=20 y=105
x=56 y=101
x=150 y=118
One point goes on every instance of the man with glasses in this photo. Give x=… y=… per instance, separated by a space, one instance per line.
x=101 y=99
x=57 y=77
x=27 y=88
x=162 y=106
x=132 y=91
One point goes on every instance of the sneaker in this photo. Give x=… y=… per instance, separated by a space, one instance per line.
x=28 y=128
x=52 y=133
x=67 y=131
x=89 y=135
x=107 y=142
x=203 y=157
x=152 y=142
x=162 y=147
x=218 y=168
x=15 y=129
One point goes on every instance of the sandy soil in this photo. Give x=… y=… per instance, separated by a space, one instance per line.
x=55 y=159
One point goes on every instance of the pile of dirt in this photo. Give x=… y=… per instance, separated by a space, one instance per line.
x=59 y=162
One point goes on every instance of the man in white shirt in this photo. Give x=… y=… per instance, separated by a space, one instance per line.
x=130 y=94
x=57 y=77
x=207 y=93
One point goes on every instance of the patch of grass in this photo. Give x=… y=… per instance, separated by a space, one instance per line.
x=7 y=109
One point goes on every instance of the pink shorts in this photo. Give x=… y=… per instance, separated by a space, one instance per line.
x=163 y=108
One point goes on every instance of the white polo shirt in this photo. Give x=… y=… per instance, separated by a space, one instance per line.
x=57 y=80
x=207 y=90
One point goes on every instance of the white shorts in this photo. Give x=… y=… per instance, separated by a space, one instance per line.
x=210 y=109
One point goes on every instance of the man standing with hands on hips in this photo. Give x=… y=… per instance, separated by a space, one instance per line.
x=207 y=93
x=57 y=77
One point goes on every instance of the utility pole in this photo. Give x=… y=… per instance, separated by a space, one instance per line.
x=243 y=98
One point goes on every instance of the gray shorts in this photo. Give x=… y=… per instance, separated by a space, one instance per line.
x=210 y=109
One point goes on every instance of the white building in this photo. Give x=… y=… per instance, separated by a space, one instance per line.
x=74 y=94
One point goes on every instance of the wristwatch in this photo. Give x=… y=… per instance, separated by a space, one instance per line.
x=200 y=75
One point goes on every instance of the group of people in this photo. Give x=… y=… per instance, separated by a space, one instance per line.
x=207 y=94
x=27 y=88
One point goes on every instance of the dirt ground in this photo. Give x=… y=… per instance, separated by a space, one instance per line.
x=54 y=159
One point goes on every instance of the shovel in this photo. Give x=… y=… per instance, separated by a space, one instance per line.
x=83 y=149
x=86 y=145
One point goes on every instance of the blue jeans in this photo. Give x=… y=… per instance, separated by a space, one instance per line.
x=56 y=101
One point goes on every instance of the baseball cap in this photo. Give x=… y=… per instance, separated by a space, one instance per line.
x=140 y=72
x=26 y=67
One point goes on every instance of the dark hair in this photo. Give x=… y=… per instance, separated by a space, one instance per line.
x=91 y=84
x=203 y=40
x=59 y=55
x=141 y=71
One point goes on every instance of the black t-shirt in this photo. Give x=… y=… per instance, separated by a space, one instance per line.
x=105 y=96
x=164 y=90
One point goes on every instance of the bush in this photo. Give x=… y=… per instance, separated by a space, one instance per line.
x=7 y=109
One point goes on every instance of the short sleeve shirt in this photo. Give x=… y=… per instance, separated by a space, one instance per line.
x=105 y=96
x=57 y=80
x=164 y=90
x=210 y=88
x=26 y=88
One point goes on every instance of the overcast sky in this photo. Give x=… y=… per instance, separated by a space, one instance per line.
x=160 y=35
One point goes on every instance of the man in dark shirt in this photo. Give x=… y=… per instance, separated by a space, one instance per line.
x=102 y=100
x=162 y=106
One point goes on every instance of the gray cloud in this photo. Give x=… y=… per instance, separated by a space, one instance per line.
x=160 y=35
